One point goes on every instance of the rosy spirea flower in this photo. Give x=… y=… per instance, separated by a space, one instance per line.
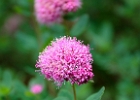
x=47 y=11
x=66 y=59
x=51 y=11
x=36 y=88
x=71 y=5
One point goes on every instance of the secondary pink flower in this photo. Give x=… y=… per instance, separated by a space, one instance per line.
x=51 y=11
x=71 y=5
x=47 y=11
x=36 y=88
x=66 y=59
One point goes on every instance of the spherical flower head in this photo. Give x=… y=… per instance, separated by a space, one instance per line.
x=66 y=59
x=71 y=5
x=47 y=12
x=36 y=88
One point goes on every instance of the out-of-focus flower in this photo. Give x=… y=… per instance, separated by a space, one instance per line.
x=51 y=11
x=47 y=12
x=12 y=23
x=71 y=5
x=36 y=88
x=66 y=59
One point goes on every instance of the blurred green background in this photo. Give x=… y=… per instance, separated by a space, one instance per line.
x=110 y=27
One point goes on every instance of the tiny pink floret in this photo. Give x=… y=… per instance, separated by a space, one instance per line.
x=36 y=88
x=66 y=59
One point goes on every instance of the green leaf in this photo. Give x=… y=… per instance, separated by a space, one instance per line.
x=66 y=94
x=28 y=93
x=37 y=80
x=61 y=98
x=18 y=84
x=97 y=96
x=7 y=78
x=4 y=90
x=80 y=26
x=26 y=42
x=58 y=29
x=106 y=31
x=103 y=37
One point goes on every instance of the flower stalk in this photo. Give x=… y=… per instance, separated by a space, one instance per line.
x=74 y=92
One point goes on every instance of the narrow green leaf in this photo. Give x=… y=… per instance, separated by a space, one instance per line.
x=106 y=31
x=65 y=93
x=61 y=98
x=7 y=78
x=58 y=29
x=97 y=96
x=26 y=42
x=80 y=26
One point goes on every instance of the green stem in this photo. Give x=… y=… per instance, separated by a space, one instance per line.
x=74 y=92
x=37 y=30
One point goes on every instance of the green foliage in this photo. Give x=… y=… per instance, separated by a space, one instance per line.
x=61 y=98
x=79 y=26
x=66 y=94
x=105 y=35
x=97 y=96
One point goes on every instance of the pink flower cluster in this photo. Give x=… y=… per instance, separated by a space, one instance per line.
x=36 y=88
x=50 y=11
x=66 y=59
